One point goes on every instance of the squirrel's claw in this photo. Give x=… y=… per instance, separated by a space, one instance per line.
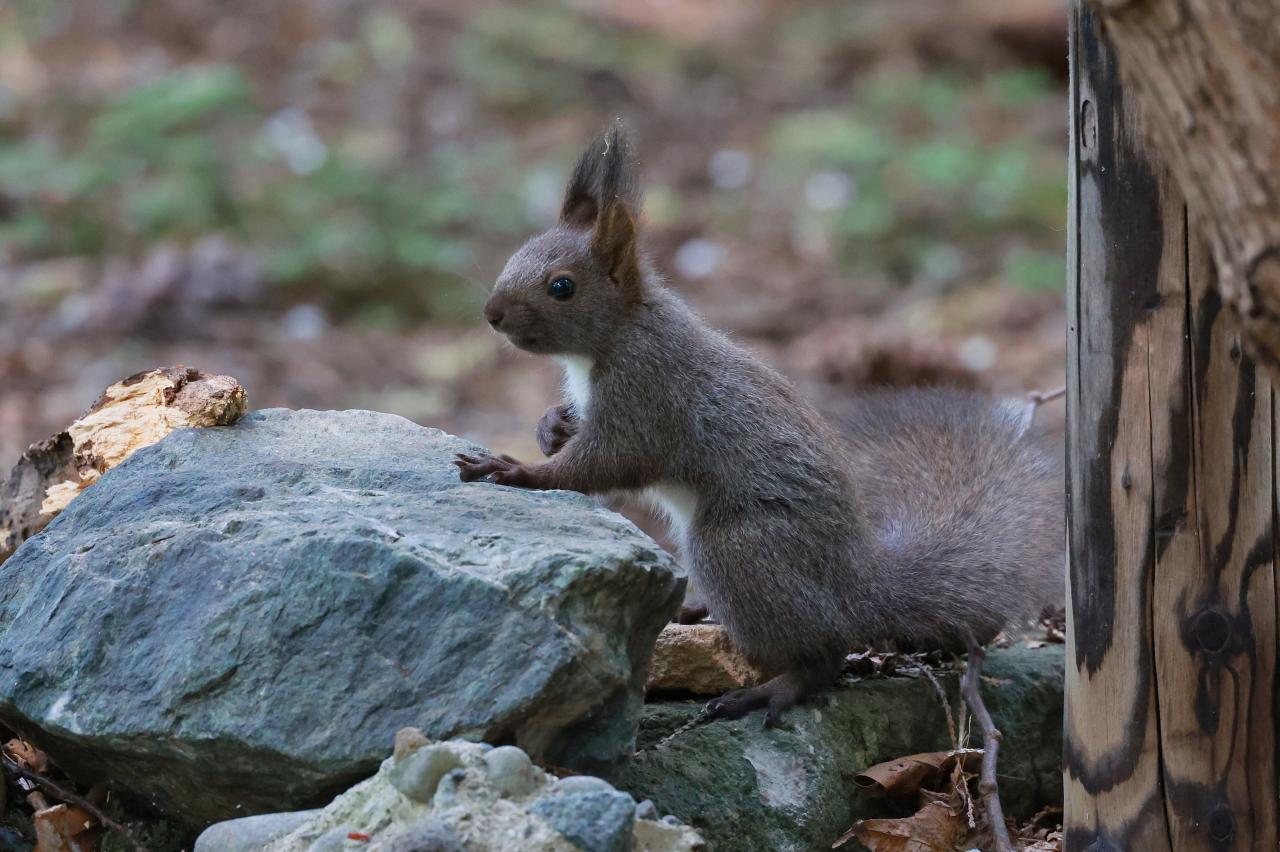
x=500 y=470
x=737 y=703
x=777 y=696
x=474 y=467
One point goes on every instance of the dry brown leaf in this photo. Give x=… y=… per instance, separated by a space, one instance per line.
x=62 y=828
x=1052 y=843
x=27 y=755
x=903 y=777
x=933 y=828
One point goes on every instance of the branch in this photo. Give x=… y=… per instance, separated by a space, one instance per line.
x=971 y=687
x=71 y=799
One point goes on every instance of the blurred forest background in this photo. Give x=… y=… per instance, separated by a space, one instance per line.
x=314 y=195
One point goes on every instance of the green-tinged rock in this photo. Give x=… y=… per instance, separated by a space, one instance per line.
x=745 y=787
x=238 y=619
x=593 y=821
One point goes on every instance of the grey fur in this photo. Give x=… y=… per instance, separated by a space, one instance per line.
x=928 y=519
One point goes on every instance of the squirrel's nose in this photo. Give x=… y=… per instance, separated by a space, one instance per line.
x=494 y=309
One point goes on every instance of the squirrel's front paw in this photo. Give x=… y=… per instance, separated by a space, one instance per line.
x=691 y=613
x=501 y=470
x=555 y=429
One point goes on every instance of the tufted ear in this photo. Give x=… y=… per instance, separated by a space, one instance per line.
x=614 y=243
x=606 y=172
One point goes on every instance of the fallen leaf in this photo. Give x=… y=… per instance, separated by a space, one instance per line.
x=59 y=829
x=1052 y=843
x=27 y=755
x=933 y=828
x=905 y=776
x=356 y=835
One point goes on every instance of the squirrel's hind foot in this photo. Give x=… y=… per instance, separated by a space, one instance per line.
x=777 y=696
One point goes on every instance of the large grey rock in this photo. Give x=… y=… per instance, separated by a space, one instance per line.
x=746 y=788
x=238 y=619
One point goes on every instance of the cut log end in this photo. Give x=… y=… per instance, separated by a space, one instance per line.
x=130 y=414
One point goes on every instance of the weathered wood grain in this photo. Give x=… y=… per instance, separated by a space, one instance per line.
x=1171 y=497
x=1208 y=75
x=1215 y=647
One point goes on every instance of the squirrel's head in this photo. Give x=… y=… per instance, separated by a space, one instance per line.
x=566 y=291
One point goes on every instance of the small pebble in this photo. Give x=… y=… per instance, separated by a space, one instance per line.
x=446 y=795
x=671 y=819
x=576 y=784
x=647 y=810
x=420 y=773
x=409 y=740
x=511 y=773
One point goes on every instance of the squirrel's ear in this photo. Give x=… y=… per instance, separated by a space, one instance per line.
x=606 y=172
x=614 y=242
x=581 y=196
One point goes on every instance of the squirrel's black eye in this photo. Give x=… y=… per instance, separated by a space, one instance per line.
x=561 y=288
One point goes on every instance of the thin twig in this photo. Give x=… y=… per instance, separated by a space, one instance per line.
x=1035 y=399
x=965 y=720
x=71 y=799
x=946 y=705
x=1041 y=397
x=701 y=718
x=971 y=688
x=959 y=777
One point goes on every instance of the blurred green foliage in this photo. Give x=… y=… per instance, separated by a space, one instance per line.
x=541 y=57
x=922 y=179
x=190 y=154
x=905 y=174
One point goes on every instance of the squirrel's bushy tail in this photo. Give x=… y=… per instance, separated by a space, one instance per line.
x=967 y=507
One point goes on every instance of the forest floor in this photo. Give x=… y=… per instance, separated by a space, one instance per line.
x=314 y=197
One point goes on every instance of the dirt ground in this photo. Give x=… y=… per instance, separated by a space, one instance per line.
x=866 y=193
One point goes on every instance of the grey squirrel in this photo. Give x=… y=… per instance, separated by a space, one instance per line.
x=927 y=518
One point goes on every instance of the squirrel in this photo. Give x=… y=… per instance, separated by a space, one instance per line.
x=922 y=518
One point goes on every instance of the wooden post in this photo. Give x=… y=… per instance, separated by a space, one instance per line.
x=1172 y=634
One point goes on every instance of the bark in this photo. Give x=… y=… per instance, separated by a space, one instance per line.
x=129 y=415
x=1207 y=76
x=1170 y=730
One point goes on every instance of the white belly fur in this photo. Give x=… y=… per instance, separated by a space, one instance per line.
x=677 y=502
x=577 y=381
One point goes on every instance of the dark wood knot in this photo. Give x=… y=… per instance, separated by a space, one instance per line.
x=1222 y=824
x=1212 y=631
x=1088 y=126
